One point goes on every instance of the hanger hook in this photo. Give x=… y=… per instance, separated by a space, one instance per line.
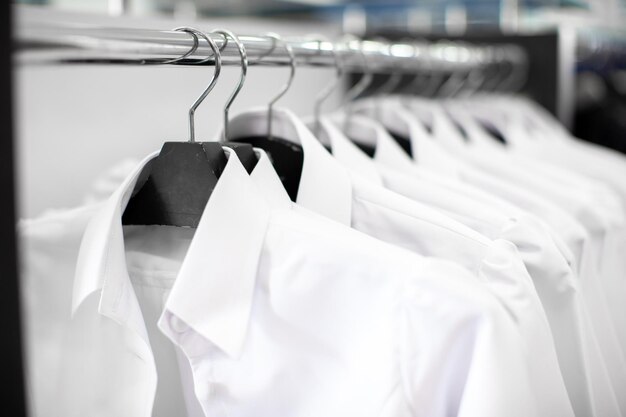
x=292 y=64
x=415 y=76
x=216 y=73
x=391 y=83
x=357 y=89
x=422 y=75
x=242 y=79
x=474 y=76
x=367 y=78
x=396 y=76
x=519 y=70
x=191 y=50
x=457 y=79
x=497 y=64
x=326 y=92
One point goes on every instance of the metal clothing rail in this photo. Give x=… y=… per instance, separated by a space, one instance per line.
x=41 y=43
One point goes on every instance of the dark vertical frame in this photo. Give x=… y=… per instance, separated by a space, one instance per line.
x=12 y=375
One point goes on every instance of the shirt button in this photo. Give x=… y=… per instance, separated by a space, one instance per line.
x=177 y=324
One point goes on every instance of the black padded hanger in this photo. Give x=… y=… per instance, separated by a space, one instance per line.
x=174 y=188
x=287 y=157
x=245 y=153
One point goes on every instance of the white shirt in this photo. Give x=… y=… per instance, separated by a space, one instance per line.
x=602 y=325
x=595 y=207
x=389 y=154
x=601 y=164
x=390 y=217
x=613 y=266
x=546 y=261
x=260 y=311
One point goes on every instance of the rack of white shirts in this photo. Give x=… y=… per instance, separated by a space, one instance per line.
x=268 y=308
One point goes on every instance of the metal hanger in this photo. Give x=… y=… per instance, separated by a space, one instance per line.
x=283 y=91
x=286 y=156
x=326 y=92
x=191 y=51
x=410 y=88
x=244 y=151
x=455 y=81
x=416 y=86
x=518 y=75
x=357 y=89
x=242 y=79
x=216 y=73
x=377 y=90
x=392 y=82
x=476 y=75
x=434 y=78
x=174 y=187
x=395 y=76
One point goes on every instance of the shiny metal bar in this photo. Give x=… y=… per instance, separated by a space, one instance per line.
x=41 y=43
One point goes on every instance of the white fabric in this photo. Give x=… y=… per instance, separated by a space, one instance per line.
x=602 y=165
x=402 y=222
x=548 y=265
x=270 y=312
x=589 y=257
x=595 y=207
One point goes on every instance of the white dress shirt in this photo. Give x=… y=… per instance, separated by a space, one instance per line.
x=613 y=266
x=547 y=262
x=594 y=296
x=353 y=201
x=389 y=154
x=262 y=310
x=595 y=207
x=601 y=164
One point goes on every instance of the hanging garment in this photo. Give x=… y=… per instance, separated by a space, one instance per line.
x=399 y=221
x=610 y=266
x=608 y=334
x=264 y=310
x=548 y=265
x=596 y=210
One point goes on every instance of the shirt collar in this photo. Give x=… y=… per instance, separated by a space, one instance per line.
x=101 y=262
x=443 y=129
x=399 y=120
x=213 y=291
x=347 y=153
x=265 y=177
x=325 y=185
x=387 y=151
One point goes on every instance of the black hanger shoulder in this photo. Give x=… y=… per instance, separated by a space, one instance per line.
x=245 y=153
x=174 y=188
x=286 y=156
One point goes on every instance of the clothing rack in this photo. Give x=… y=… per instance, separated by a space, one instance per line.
x=40 y=42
